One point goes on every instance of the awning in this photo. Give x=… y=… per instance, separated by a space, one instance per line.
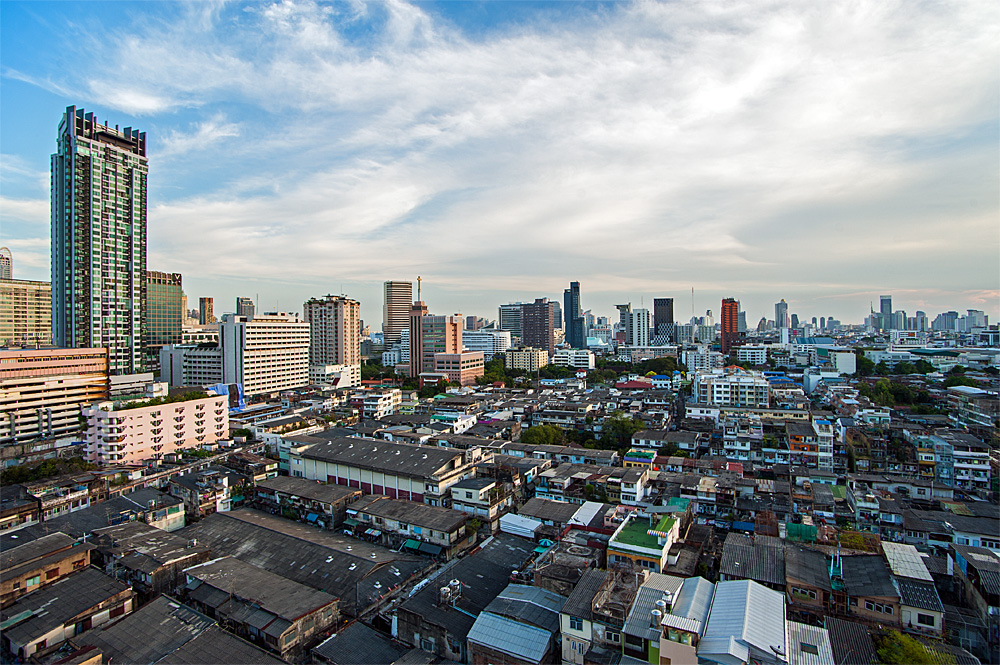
x=351 y=522
x=541 y=550
x=368 y=532
x=412 y=544
x=427 y=548
x=311 y=517
x=376 y=532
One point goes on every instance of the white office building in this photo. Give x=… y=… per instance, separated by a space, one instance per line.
x=267 y=353
x=575 y=358
x=490 y=342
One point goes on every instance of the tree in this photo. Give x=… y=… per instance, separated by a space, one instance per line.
x=617 y=430
x=543 y=435
x=865 y=367
x=881 y=368
x=899 y=649
x=959 y=380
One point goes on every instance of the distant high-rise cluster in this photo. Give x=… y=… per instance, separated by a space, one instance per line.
x=245 y=307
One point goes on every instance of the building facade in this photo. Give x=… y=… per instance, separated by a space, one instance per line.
x=25 y=313
x=398 y=297
x=267 y=353
x=462 y=368
x=730 y=324
x=576 y=336
x=245 y=307
x=164 y=312
x=206 y=311
x=135 y=433
x=663 y=320
x=528 y=359
x=98 y=243
x=42 y=391
x=488 y=341
x=538 y=324
x=334 y=334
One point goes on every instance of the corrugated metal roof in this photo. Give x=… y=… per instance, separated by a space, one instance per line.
x=809 y=645
x=905 y=560
x=750 y=613
x=694 y=600
x=517 y=639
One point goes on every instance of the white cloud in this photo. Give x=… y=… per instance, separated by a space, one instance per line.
x=741 y=146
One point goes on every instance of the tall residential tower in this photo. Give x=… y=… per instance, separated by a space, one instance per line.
x=98 y=248
x=575 y=333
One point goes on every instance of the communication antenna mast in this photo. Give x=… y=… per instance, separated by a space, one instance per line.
x=692 y=301
x=418 y=288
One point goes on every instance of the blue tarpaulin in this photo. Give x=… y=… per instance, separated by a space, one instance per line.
x=311 y=517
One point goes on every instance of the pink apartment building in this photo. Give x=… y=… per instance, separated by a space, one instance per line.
x=140 y=434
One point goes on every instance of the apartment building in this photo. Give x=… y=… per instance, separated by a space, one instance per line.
x=461 y=368
x=731 y=387
x=335 y=334
x=575 y=358
x=42 y=391
x=267 y=353
x=138 y=432
x=25 y=313
x=526 y=358
x=489 y=342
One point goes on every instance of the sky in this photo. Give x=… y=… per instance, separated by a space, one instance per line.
x=824 y=153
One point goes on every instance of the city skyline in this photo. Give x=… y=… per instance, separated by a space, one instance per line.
x=734 y=170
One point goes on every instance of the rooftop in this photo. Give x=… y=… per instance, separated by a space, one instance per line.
x=635 y=532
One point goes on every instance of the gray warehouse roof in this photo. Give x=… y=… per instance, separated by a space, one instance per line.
x=398 y=458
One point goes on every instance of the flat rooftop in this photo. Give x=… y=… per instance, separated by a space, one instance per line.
x=635 y=533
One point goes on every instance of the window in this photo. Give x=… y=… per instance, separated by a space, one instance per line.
x=808 y=648
x=613 y=637
x=925 y=620
x=803 y=593
x=427 y=645
x=52 y=574
x=32 y=581
x=878 y=607
x=575 y=623
x=117 y=611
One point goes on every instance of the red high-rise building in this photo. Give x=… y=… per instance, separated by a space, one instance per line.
x=730 y=324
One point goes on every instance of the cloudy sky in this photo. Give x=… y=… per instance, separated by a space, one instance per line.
x=824 y=153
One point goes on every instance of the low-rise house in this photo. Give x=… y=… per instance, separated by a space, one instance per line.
x=684 y=621
x=181 y=635
x=746 y=624
x=808 y=644
x=871 y=594
x=761 y=559
x=41 y=621
x=38 y=563
x=146 y=557
x=254 y=467
x=552 y=513
x=977 y=580
x=519 y=627
x=205 y=492
x=644 y=541
x=439 y=622
x=643 y=628
x=417 y=527
x=577 y=621
x=18 y=509
x=308 y=500
x=920 y=608
x=807 y=588
x=486 y=499
x=358 y=644
x=269 y=610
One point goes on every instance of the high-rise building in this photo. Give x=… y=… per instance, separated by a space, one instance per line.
x=398 y=298
x=206 y=315
x=334 y=337
x=164 y=313
x=885 y=312
x=98 y=243
x=625 y=321
x=575 y=333
x=663 y=320
x=267 y=353
x=25 y=313
x=794 y=321
x=245 y=307
x=638 y=328
x=510 y=318
x=730 y=324
x=781 y=319
x=538 y=323
x=6 y=264
x=418 y=310
x=742 y=320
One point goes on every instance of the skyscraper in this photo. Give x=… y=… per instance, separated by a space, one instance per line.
x=510 y=318
x=418 y=310
x=245 y=307
x=625 y=321
x=164 y=312
x=538 y=325
x=206 y=314
x=730 y=324
x=885 y=312
x=398 y=298
x=639 y=325
x=98 y=243
x=663 y=320
x=795 y=321
x=575 y=333
x=334 y=332
x=781 y=319
x=6 y=264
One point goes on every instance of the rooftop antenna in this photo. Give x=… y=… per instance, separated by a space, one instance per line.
x=692 y=301
x=418 y=288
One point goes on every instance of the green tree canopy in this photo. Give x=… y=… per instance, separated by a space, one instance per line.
x=617 y=429
x=899 y=649
x=543 y=435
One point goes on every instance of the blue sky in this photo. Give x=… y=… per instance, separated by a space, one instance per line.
x=824 y=153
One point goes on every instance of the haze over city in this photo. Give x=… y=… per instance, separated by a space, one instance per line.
x=824 y=154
